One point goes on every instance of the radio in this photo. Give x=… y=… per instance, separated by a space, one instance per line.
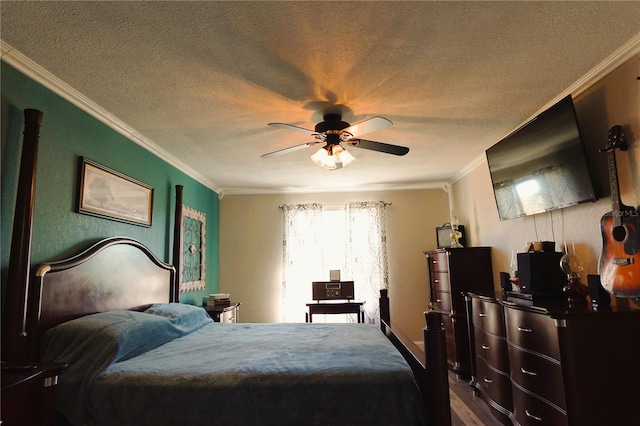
x=328 y=290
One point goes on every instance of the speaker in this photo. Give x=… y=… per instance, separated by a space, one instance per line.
x=328 y=290
x=599 y=296
x=505 y=282
x=540 y=273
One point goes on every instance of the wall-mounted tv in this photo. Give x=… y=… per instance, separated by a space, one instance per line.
x=541 y=166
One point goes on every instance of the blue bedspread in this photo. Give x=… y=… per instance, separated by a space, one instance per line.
x=254 y=374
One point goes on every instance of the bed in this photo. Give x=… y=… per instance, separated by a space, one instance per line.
x=136 y=356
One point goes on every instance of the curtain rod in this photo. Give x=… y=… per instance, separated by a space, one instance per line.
x=386 y=203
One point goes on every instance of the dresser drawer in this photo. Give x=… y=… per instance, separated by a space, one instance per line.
x=440 y=281
x=488 y=316
x=531 y=411
x=533 y=331
x=537 y=375
x=495 y=384
x=438 y=262
x=493 y=349
x=229 y=315
x=442 y=301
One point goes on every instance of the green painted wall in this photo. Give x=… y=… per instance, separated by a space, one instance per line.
x=68 y=133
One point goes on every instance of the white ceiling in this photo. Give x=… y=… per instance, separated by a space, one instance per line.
x=197 y=82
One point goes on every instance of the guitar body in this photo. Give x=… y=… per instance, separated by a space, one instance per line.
x=619 y=265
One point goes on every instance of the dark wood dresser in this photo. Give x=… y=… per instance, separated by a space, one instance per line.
x=490 y=376
x=569 y=365
x=452 y=273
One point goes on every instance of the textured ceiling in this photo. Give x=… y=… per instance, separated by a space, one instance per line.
x=201 y=80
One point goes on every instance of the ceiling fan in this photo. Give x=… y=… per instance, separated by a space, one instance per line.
x=332 y=132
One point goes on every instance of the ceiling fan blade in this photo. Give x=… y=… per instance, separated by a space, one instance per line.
x=367 y=126
x=288 y=150
x=378 y=146
x=294 y=128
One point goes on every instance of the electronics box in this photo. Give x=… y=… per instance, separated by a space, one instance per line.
x=443 y=236
x=329 y=290
x=540 y=273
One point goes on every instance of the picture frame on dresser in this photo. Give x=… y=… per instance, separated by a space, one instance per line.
x=443 y=235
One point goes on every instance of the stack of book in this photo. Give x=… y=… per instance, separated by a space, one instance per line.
x=217 y=300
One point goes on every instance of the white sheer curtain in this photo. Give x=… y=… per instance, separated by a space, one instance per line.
x=366 y=253
x=304 y=243
x=302 y=258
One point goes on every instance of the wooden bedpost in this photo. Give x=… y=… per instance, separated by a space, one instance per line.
x=385 y=314
x=437 y=377
x=177 y=243
x=15 y=345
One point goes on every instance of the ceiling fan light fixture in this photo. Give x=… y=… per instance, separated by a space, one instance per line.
x=332 y=157
x=342 y=156
x=324 y=159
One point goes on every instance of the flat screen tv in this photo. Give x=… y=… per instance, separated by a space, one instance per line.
x=541 y=166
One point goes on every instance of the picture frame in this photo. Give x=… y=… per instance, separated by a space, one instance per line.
x=106 y=193
x=193 y=266
x=443 y=235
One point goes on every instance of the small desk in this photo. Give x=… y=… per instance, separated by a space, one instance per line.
x=335 y=308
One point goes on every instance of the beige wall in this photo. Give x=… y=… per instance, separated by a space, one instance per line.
x=614 y=100
x=251 y=249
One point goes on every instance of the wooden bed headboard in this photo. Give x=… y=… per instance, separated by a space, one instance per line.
x=115 y=273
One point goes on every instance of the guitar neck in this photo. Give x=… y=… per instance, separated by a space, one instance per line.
x=616 y=202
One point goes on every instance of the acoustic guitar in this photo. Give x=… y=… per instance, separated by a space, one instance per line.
x=619 y=266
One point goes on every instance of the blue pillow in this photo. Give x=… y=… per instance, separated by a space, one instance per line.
x=187 y=318
x=106 y=337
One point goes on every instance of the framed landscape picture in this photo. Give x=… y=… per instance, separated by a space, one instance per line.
x=106 y=193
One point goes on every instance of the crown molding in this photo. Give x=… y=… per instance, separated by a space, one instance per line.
x=40 y=75
x=359 y=188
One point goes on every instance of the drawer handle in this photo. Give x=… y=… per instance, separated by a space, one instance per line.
x=486 y=347
x=487 y=380
x=438 y=300
x=436 y=281
x=532 y=416
x=482 y=315
x=530 y=373
x=525 y=330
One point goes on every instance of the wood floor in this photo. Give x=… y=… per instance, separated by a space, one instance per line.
x=466 y=408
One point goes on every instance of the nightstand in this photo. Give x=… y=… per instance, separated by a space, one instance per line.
x=229 y=313
x=28 y=394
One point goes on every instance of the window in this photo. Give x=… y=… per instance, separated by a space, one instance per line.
x=351 y=238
